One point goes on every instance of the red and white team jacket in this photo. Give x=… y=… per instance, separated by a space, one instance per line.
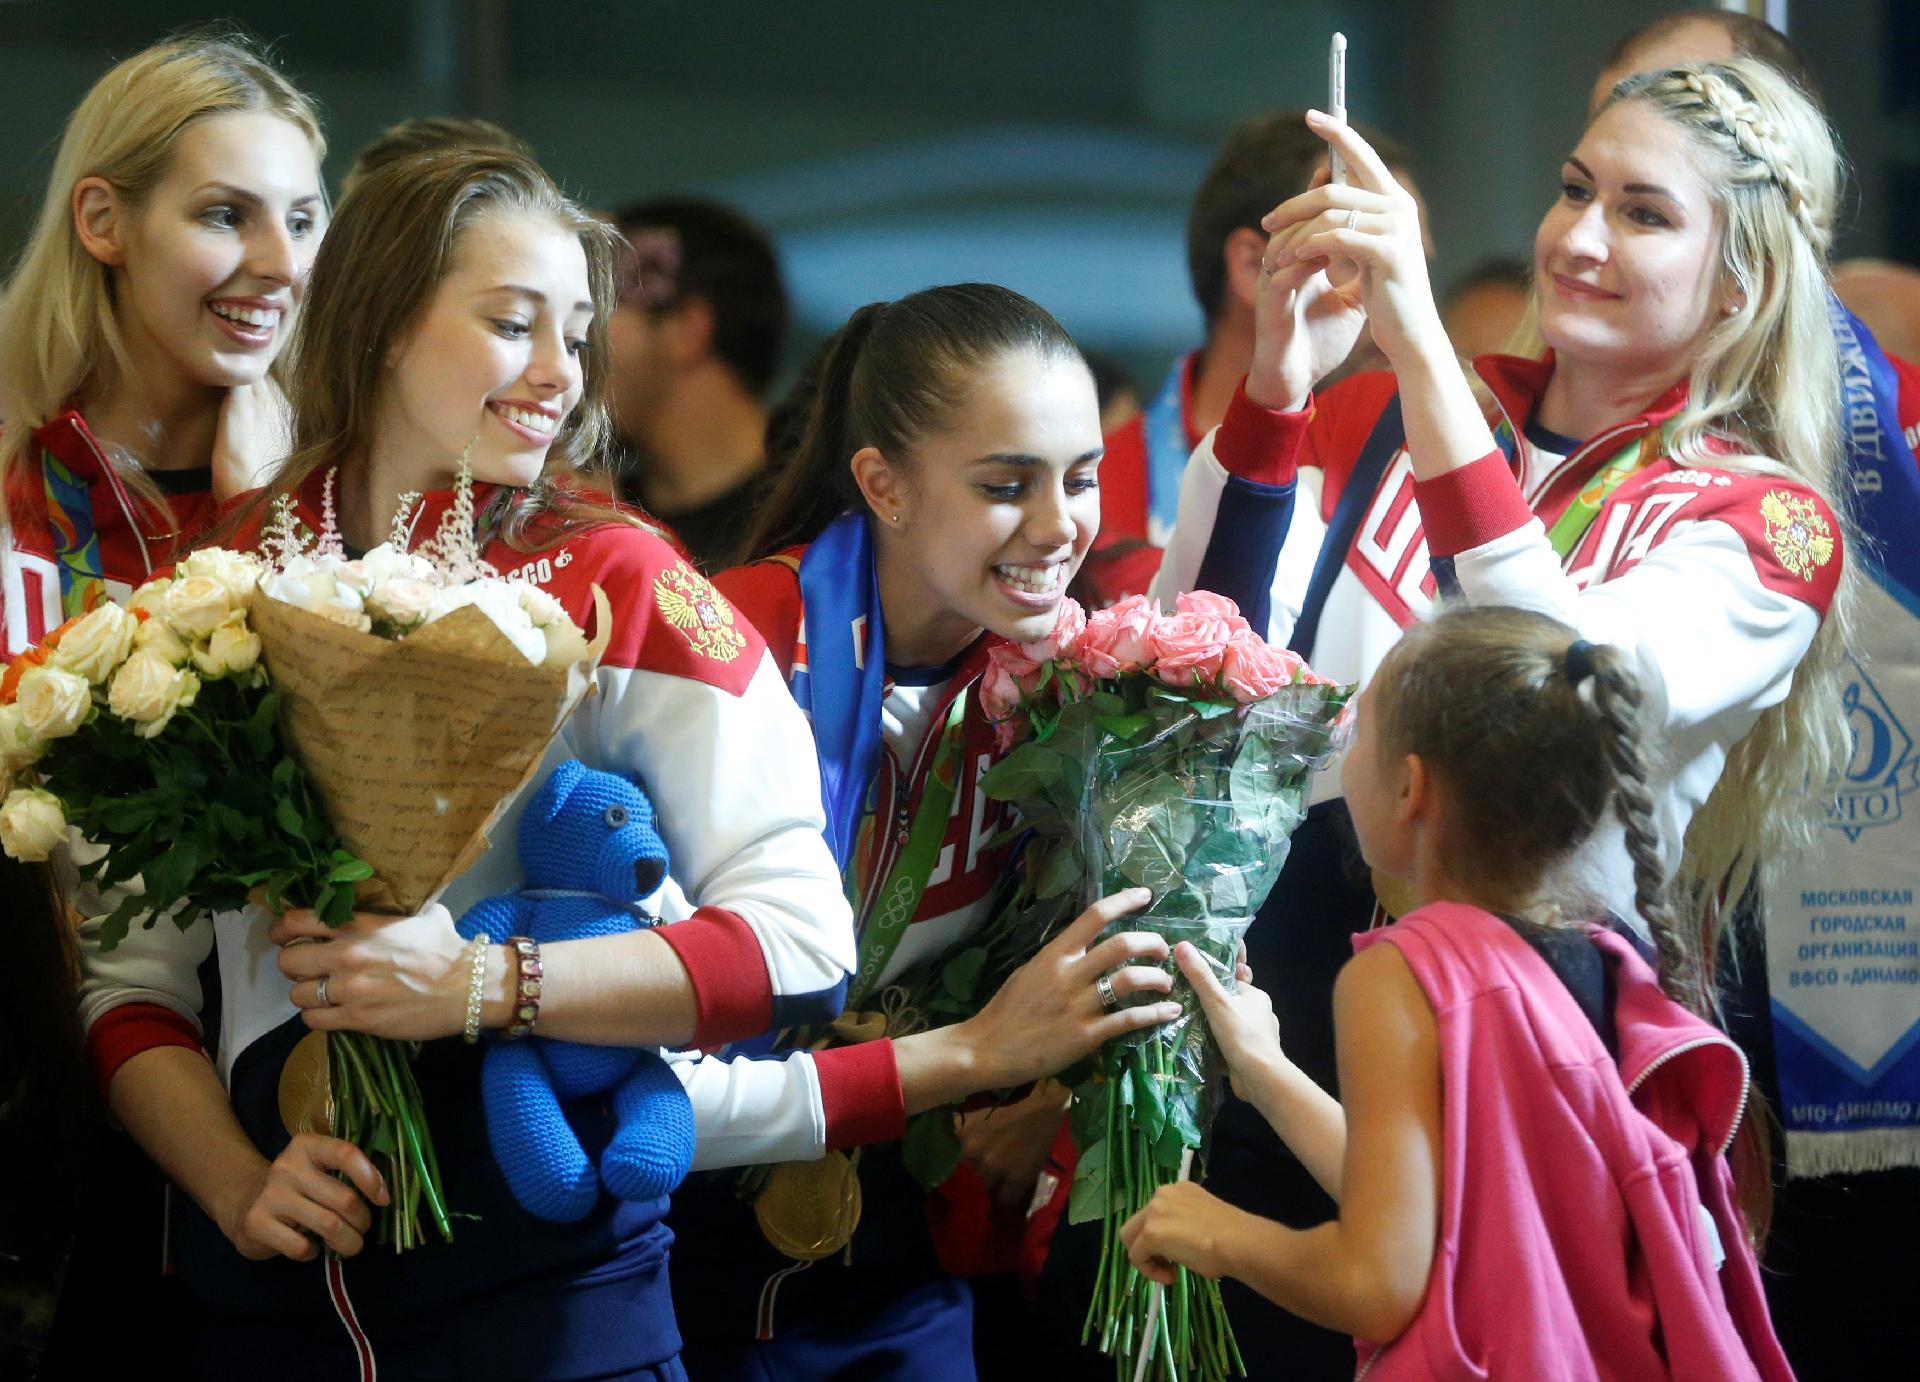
x=131 y=549
x=702 y=717
x=1714 y=578
x=859 y=1086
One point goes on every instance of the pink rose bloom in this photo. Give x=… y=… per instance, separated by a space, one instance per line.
x=1067 y=628
x=1024 y=670
x=1119 y=638
x=999 y=691
x=1252 y=671
x=1189 y=648
x=1006 y=733
x=1219 y=606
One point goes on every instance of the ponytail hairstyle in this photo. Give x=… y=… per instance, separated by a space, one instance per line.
x=392 y=241
x=896 y=372
x=1535 y=735
x=1766 y=380
x=59 y=338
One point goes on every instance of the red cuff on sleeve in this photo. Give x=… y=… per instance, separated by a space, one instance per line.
x=732 y=991
x=1472 y=505
x=1260 y=444
x=122 y=1033
x=860 y=1090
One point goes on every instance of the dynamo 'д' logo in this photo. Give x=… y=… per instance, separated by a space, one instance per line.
x=1882 y=765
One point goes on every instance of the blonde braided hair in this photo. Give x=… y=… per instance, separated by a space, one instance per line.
x=1762 y=141
x=1765 y=379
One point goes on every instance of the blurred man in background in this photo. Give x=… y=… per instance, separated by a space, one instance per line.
x=695 y=341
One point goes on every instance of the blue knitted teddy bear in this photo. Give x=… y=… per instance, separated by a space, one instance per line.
x=590 y=855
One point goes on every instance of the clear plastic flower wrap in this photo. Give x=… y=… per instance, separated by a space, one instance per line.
x=1195 y=799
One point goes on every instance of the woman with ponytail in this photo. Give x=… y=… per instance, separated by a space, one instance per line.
x=940 y=497
x=140 y=328
x=1528 y=1152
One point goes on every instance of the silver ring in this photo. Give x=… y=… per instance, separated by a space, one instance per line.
x=321 y=992
x=1353 y=215
x=1109 y=1000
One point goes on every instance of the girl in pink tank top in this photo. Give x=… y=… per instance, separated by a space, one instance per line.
x=1529 y=1159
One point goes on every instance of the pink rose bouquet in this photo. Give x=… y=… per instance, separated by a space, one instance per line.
x=1171 y=751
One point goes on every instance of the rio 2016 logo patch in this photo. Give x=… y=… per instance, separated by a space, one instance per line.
x=1883 y=764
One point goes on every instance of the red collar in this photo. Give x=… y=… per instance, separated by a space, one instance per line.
x=1518 y=383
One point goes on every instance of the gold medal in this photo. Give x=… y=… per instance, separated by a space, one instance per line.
x=306 y=1091
x=809 y=1209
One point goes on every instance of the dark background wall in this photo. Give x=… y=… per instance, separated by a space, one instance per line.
x=1051 y=145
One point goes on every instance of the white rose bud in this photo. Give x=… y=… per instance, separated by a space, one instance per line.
x=152 y=597
x=402 y=600
x=238 y=572
x=18 y=748
x=96 y=644
x=32 y=824
x=196 y=606
x=497 y=600
x=306 y=584
x=354 y=576
x=147 y=690
x=387 y=561
x=231 y=648
x=158 y=636
x=53 y=702
x=541 y=607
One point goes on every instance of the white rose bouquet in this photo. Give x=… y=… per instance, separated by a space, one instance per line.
x=307 y=730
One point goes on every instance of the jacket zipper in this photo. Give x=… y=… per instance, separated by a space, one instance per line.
x=1746 y=1078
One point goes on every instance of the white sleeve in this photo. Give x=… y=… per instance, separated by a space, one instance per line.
x=748 y=1111
x=1201 y=485
x=1714 y=645
x=1265 y=556
x=736 y=789
x=157 y=963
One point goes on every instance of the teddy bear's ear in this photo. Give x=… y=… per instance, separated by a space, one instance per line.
x=552 y=796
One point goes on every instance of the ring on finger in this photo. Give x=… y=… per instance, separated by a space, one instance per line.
x=1353 y=217
x=1109 y=1000
x=320 y=993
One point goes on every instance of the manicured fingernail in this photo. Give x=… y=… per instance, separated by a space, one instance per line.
x=1315 y=117
x=1144 y=894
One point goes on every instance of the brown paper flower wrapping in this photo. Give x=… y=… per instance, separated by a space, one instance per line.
x=416 y=746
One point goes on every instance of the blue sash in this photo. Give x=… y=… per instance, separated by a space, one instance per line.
x=840 y=686
x=1843 y=935
x=1880 y=464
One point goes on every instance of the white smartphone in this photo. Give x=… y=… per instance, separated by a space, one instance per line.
x=1337 y=99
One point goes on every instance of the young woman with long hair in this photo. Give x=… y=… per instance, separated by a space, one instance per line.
x=140 y=327
x=458 y=310
x=940 y=495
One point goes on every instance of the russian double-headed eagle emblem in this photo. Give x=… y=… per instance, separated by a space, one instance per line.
x=689 y=602
x=1802 y=538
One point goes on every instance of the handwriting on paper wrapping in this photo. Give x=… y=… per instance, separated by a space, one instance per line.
x=416 y=746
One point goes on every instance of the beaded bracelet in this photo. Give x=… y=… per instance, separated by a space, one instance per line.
x=476 y=986
x=523 y=953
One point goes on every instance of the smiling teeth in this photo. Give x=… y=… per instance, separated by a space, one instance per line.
x=1036 y=580
x=247 y=316
x=533 y=422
